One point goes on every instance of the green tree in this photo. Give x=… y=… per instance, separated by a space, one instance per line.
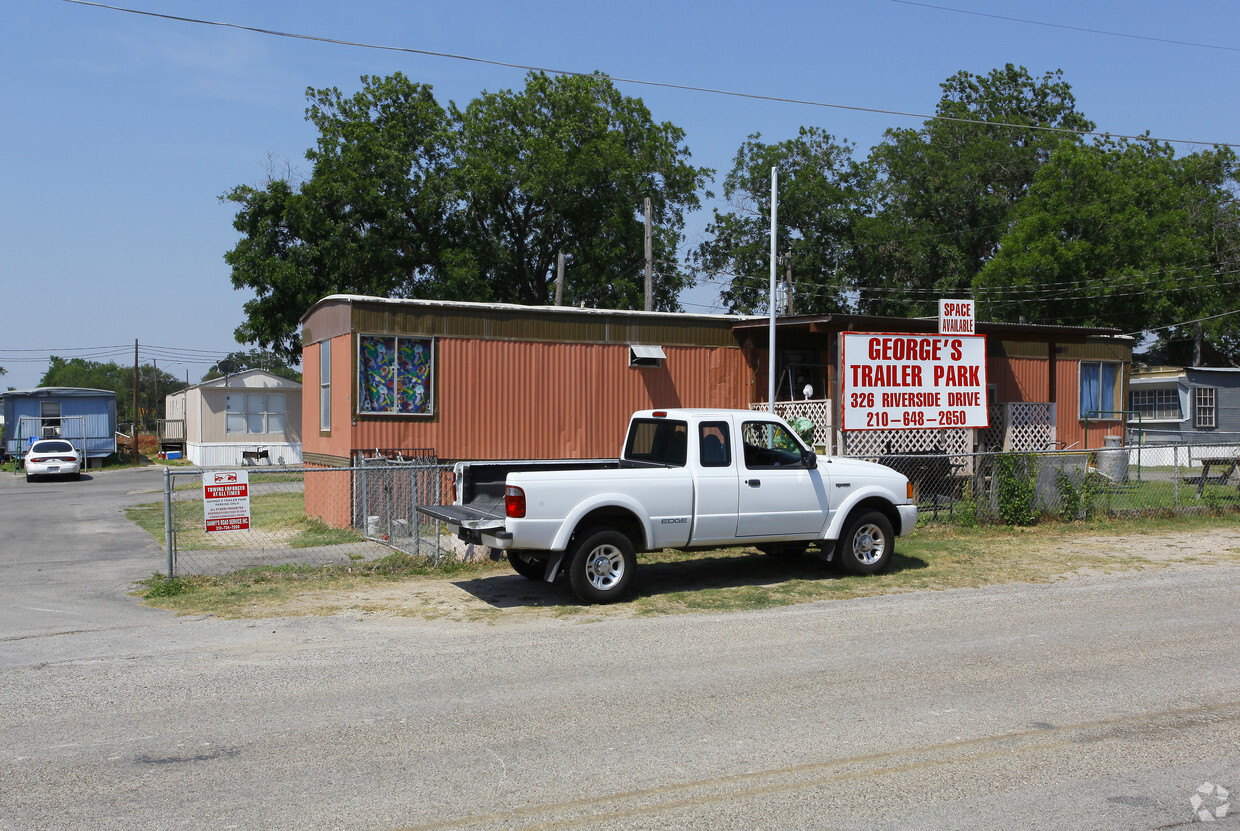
x=948 y=188
x=1119 y=233
x=153 y=384
x=371 y=219
x=252 y=359
x=409 y=199
x=823 y=195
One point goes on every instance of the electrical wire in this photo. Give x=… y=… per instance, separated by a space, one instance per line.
x=1069 y=28
x=635 y=81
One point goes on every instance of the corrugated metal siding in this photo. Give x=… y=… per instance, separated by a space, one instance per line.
x=502 y=399
x=339 y=440
x=1071 y=426
x=1019 y=379
x=540 y=324
x=328 y=496
x=229 y=455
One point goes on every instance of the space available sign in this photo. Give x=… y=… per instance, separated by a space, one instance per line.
x=913 y=382
x=956 y=317
x=226 y=500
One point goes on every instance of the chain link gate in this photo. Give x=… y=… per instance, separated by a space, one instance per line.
x=309 y=516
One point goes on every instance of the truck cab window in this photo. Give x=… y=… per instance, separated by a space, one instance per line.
x=716 y=450
x=658 y=441
x=769 y=445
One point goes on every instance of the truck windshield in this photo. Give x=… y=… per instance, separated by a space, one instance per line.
x=657 y=440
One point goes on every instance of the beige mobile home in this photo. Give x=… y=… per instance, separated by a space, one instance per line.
x=249 y=417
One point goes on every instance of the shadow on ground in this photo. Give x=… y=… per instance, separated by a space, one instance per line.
x=695 y=573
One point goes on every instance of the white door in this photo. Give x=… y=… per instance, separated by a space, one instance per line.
x=778 y=496
x=715 y=484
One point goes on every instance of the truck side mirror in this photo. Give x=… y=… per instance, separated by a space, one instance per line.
x=810 y=459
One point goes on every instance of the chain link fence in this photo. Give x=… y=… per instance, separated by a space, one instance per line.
x=1020 y=488
x=309 y=516
x=334 y=516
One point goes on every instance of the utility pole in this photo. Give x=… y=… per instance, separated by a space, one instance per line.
x=135 y=401
x=649 y=261
x=770 y=388
x=559 y=279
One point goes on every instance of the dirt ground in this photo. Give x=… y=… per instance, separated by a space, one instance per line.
x=501 y=597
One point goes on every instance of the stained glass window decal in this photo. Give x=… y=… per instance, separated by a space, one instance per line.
x=394 y=375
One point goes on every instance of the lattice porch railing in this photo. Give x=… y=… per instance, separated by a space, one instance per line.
x=817 y=410
x=1015 y=426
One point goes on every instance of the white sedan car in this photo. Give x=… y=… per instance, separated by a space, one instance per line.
x=53 y=457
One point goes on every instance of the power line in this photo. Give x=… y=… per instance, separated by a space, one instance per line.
x=759 y=282
x=1070 y=28
x=635 y=81
x=1186 y=322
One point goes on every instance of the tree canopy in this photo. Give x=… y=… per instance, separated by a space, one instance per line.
x=252 y=359
x=408 y=198
x=153 y=384
x=1000 y=197
x=1125 y=225
x=823 y=195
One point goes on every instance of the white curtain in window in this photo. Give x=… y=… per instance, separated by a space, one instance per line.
x=275 y=412
x=254 y=411
x=234 y=413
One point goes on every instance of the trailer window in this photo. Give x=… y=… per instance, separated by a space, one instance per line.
x=395 y=375
x=658 y=441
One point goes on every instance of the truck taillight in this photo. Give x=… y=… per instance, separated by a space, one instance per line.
x=514 y=502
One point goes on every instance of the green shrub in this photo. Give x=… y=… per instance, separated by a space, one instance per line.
x=1017 y=475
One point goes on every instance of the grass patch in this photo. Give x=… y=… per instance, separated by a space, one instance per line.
x=280 y=515
x=291 y=589
x=935 y=557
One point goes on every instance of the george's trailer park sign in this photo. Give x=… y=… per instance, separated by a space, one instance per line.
x=913 y=382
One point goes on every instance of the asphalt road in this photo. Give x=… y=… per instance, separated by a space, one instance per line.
x=1098 y=703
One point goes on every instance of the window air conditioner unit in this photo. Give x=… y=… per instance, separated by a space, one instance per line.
x=50 y=432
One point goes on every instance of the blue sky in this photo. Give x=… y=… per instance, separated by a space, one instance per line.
x=122 y=130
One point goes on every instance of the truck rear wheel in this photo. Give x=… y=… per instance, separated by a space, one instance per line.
x=867 y=543
x=528 y=566
x=601 y=566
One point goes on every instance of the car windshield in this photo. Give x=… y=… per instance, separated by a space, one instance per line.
x=51 y=447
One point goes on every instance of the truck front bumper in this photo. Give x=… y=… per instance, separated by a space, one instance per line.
x=908 y=518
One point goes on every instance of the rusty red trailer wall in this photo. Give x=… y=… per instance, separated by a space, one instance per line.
x=515 y=400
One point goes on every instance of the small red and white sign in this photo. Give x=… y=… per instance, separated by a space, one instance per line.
x=226 y=500
x=956 y=317
x=913 y=382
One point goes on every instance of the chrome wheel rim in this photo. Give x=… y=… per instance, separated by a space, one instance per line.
x=869 y=544
x=605 y=567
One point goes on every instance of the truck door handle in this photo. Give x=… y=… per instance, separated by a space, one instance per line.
x=754 y=483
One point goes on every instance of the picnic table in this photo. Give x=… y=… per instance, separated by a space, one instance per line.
x=1228 y=463
x=930 y=471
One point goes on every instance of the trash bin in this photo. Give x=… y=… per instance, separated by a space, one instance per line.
x=1113 y=459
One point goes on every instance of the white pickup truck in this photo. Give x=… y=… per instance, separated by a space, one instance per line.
x=687 y=478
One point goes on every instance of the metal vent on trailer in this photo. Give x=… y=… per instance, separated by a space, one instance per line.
x=640 y=355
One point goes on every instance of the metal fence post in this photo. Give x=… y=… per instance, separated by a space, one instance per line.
x=168 y=518
x=1175 y=474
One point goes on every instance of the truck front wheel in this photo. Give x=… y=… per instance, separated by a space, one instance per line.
x=866 y=545
x=601 y=566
